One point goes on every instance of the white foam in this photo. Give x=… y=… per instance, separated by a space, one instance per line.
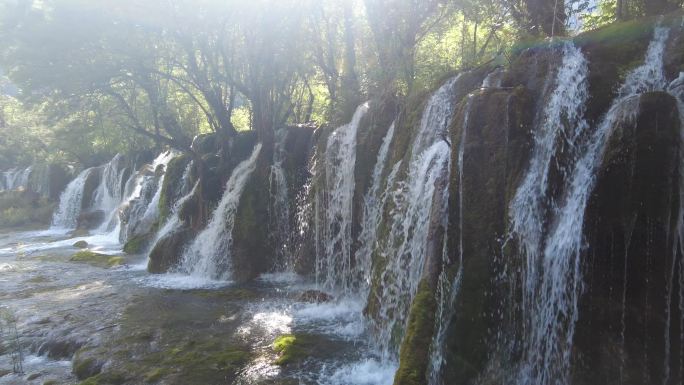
x=181 y=282
x=365 y=372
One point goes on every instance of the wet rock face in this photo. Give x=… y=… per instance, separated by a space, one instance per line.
x=168 y=251
x=496 y=148
x=90 y=219
x=632 y=266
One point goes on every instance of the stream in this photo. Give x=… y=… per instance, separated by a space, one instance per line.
x=132 y=321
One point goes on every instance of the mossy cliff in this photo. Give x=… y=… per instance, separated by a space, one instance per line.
x=631 y=275
x=631 y=225
x=415 y=350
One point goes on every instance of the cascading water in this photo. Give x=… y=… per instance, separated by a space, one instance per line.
x=208 y=256
x=142 y=194
x=173 y=222
x=152 y=207
x=563 y=117
x=15 y=179
x=552 y=309
x=405 y=248
x=108 y=195
x=70 y=203
x=372 y=212
x=334 y=265
x=448 y=288
x=279 y=205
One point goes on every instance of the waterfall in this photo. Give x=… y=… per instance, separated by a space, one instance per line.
x=15 y=179
x=70 y=202
x=108 y=195
x=209 y=254
x=448 y=288
x=563 y=117
x=142 y=194
x=174 y=221
x=334 y=266
x=404 y=249
x=552 y=306
x=279 y=204
x=494 y=78
x=152 y=210
x=373 y=206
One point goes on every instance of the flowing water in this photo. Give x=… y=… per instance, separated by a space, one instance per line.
x=404 y=249
x=71 y=202
x=279 y=205
x=208 y=256
x=334 y=264
x=173 y=223
x=15 y=179
x=449 y=286
x=553 y=281
x=374 y=203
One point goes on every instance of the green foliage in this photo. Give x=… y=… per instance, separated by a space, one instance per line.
x=21 y=209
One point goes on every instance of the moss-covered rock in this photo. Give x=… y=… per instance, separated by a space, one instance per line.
x=96 y=259
x=292 y=348
x=81 y=245
x=84 y=366
x=414 y=358
x=168 y=251
x=137 y=244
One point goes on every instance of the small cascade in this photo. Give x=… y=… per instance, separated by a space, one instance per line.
x=174 y=222
x=552 y=311
x=494 y=78
x=373 y=205
x=405 y=248
x=279 y=205
x=70 y=203
x=152 y=207
x=15 y=179
x=563 y=117
x=108 y=195
x=448 y=287
x=208 y=256
x=334 y=265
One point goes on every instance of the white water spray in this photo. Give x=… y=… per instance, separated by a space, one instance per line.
x=334 y=265
x=209 y=254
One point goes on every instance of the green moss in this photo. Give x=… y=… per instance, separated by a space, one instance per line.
x=105 y=379
x=154 y=375
x=415 y=350
x=81 y=245
x=85 y=367
x=292 y=348
x=96 y=259
x=136 y=244
x=51 y=382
